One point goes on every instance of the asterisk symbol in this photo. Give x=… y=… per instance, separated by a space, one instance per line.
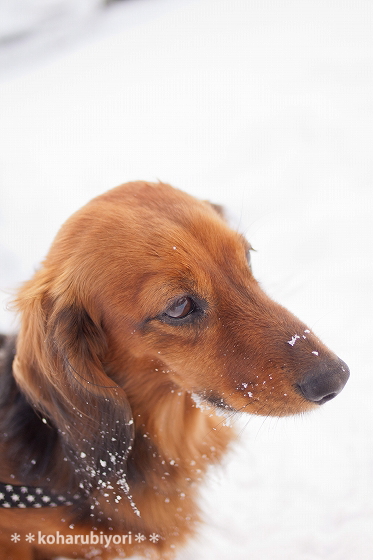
x=154 y=537
x=15 y=537
x=140 y=537
x=30 y=537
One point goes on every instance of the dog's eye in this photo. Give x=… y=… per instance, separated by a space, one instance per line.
x=181 y=308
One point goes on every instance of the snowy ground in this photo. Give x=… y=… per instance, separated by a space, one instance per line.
x=265 y=107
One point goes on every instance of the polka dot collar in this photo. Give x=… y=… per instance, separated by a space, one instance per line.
x=12 y=496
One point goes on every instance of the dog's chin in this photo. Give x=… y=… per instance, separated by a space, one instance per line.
x=213 y=403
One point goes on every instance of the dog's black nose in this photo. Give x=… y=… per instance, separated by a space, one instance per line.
x=324 y=382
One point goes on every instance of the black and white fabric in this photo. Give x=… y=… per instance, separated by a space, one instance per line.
x=12 y=496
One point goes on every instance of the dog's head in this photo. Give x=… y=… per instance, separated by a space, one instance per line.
x=147 y=278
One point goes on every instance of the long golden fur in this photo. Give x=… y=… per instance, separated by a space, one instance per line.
x=145 y=304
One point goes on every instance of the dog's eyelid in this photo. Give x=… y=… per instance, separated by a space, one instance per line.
x=248 y=249
x=246 y=244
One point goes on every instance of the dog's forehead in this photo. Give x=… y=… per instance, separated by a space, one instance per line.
x=160 y=218
x=196 y=234
x=156 y=201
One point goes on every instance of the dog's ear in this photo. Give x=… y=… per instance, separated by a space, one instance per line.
x=59 y=365
x=218 y=209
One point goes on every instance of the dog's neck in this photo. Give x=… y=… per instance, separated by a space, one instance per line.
x=164 y=466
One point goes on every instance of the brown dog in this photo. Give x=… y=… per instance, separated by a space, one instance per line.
x=145 y=305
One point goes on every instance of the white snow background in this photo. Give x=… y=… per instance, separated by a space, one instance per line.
x=264 y=106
